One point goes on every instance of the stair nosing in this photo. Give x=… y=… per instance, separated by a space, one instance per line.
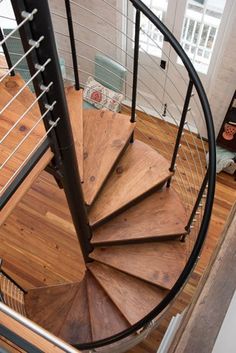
x=140 y=240
x=119 y=156
x=131 y=203
x=127 y=321
x=128 y=273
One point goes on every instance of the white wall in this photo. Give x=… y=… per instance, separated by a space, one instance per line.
x=223 y=77
x=223 y=82
x=106 y=42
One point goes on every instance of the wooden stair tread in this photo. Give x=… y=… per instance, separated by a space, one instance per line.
x=158 y=216
x=76 y=326
x=106 y=320
x=134 y=297
x=158 y=263
x=25 y=185
x=75 y=106
x=140 y=170
x=16 y=106
x=48 y=306
x=106 y=134
x=13 y=84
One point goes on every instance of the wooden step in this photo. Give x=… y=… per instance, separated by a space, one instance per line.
x=13 y=84
x=106 y=134
x=76 y=326
x=17 y=106
x=140 y=170
x=134 y=297
x=106 y=320
x=49 y=306
x=158 y=263
x=160 y=215
x=75 y=106
x=24 y=187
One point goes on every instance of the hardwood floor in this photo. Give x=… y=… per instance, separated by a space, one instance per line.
x=38 y=241
x=39 y=245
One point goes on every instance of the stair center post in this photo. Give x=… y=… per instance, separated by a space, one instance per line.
x=41 y=25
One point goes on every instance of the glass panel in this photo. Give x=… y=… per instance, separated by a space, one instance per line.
x=201 y=22
x=151 y=40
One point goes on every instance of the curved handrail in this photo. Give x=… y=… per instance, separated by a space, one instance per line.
x=210 y=175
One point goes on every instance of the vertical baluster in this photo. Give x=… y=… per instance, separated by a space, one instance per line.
x=6 y=53
x=197 y=203
x=135 y=66
x=181 y=126
x=72 y=43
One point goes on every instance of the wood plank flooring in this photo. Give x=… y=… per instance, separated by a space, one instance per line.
x=41 y=224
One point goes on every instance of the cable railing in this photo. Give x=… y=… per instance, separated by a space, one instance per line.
x=187 y=153
x=33 y=329
x=130 y=20
x=30 y=127
x=184 y=150
x=130 y=85
x=146 y=71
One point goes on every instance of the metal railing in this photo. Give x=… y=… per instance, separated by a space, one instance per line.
x=191 y=180
x=23 y=342
x=190 y=169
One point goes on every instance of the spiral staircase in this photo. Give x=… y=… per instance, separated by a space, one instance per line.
x=134 y=228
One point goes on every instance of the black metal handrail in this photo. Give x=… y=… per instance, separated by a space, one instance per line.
x=67 y=152
x=209 y=177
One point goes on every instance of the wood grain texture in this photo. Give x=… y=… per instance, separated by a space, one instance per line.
x=106 y=320
x=106 y=135
x=37 y=235
x=49 y=306
x=160 y=215
x=29 y=336
x=13 y=84
x=39 y=232
x=75 y=106
x=140 y=170
x=76 y=326
x=157 y=263
x=134 y=297
x=24 y=187
x=23 y=138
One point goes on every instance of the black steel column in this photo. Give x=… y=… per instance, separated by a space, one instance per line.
x=72 y=43
x=135 y=66
x=6 y=53
x=181 y=127
x=42 y=25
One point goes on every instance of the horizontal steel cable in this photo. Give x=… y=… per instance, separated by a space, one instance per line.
x=27 y=110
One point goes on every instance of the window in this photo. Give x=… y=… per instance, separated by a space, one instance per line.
x=151 y=40
x=200 y=27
